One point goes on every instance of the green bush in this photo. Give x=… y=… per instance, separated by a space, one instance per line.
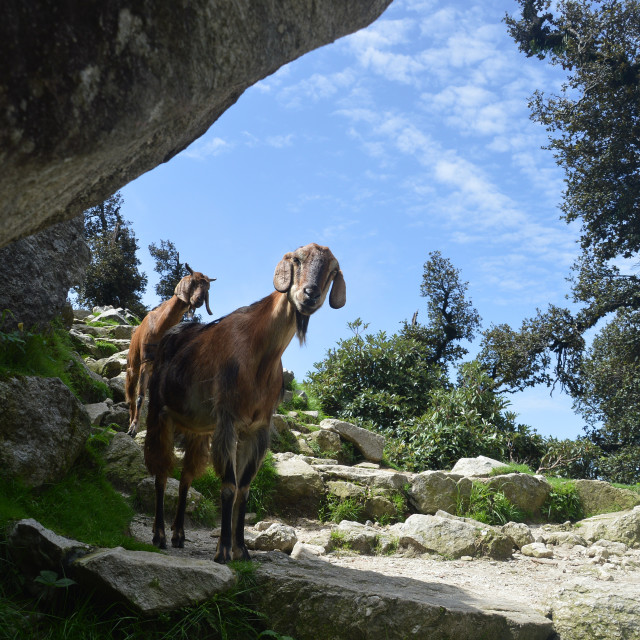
x=563 y=502
x=490 y=506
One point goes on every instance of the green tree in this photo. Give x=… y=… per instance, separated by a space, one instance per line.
x=610 y=399
x=594 y=124
x=112 y=277
x=374 y=379
x=451 y=317
x=168 y=266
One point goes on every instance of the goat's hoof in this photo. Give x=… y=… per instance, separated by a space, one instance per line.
x=177 y=542
x=159 y=541
x=241 y=553
x=132 y=431
x=223 y=555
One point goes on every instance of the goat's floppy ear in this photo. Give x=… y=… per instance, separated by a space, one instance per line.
x=182 y=290
x=338 y=295
x=282 y=276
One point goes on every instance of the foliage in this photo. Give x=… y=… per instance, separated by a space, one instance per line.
x=511 y=468
x=452 y=317
x=336 y=509
x=112 y=277
x=82 y=506
x=610 y=401
x=593 y=124
x=593 y=127
x=375 y=379
x=263 y=488
x=489 y=505
x=563 y=502
x=48 y=353
x=466 y=421
x=570 y=458
x=106 y=349
x=168 y=266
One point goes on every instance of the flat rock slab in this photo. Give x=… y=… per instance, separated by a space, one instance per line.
x=311 y=598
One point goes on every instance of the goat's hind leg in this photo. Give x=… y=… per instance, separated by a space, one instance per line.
x=194 y=463
x=249 y=459
x=135 y=406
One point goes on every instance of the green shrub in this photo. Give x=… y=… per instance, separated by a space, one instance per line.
x=336 y=509
x=490 y=506
x=563 y=502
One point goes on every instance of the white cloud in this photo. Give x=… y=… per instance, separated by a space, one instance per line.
x=279 y=142
x=206 y=149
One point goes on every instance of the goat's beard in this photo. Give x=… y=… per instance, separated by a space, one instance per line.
x=302 y=322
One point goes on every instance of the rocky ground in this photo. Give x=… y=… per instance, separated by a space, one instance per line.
x=533 y=583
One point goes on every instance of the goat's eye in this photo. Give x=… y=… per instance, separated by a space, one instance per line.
x=296 y=261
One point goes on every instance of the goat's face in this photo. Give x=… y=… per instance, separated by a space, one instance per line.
x=194 y=290
x=306 y=275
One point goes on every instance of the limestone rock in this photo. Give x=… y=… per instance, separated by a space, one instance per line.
x=125 y=466
x=536 y=550
x=355 y=537
x=308 y=599
x=433 y=490
x=597 y=497
x=519 y=533
x=117 y=386
x=480 y=466
x=152 y=583
x=525 y=491
x=370 y=444
x=44 y=429
x=606 y=613
x=392 y=481
x=618 y=527
x=326 y=441
x=45 y=265
x=97 y=411
x=277 y=536
x=117 y=97
x=299 y=488
x=34 y=548
x=453 y=537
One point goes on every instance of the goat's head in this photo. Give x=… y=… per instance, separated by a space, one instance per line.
x=194 y=289
x=306 y=275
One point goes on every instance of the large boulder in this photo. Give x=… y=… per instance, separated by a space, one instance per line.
x=152 y=583
x=480 y=466
x=608 y=612
x=528 y=493
x=431 y=491
x=370 y=445
x=43 y=429
x=300 y=488
x=37 y=272
x=452 y=537
x=618 y=527
x=126 y=86
x=124 y=460
x=597 y=496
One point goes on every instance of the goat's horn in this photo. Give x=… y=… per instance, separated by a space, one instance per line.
x=189 y=269
x=206 y=303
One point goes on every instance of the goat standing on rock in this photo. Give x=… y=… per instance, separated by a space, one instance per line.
x=220 y=383
x=190 y=293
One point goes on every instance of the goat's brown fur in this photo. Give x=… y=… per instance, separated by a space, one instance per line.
x=190 y=293
x=220 y=383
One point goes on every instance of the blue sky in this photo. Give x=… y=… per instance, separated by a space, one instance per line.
x=410 y=136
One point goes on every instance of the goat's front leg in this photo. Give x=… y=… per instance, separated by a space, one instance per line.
x=159 y=538
x=228 y=498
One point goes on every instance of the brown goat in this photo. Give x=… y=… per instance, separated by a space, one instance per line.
x=190 y=293
x=219 y=385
